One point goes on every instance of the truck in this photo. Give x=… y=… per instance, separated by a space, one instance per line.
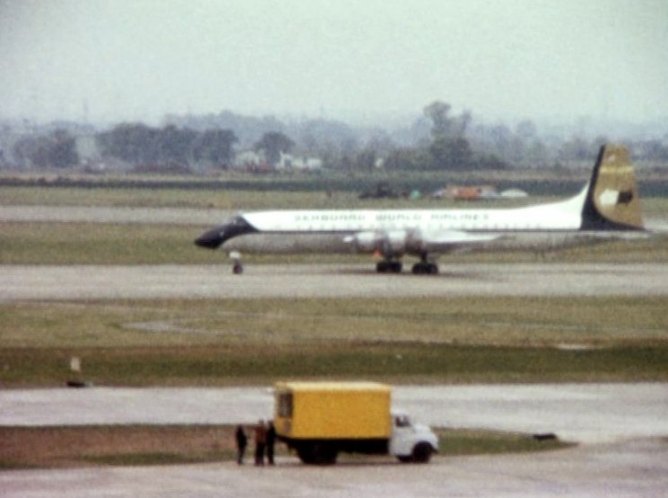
x=319 y=420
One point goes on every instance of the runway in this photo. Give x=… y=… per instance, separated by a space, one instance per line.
x=329 y=281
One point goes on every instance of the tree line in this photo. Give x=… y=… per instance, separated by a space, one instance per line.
x=439 y=140
x=139 y=144
x=53 y=150
x=147 y=148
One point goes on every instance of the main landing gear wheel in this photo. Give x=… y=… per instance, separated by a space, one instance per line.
x=389 y=267
x=425 y=268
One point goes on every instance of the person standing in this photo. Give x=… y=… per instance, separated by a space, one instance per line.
x=242 y=442
x=260 y=442
x=271 y=440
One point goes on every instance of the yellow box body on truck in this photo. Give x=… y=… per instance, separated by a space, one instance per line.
x=321 y=419
x=333 y=410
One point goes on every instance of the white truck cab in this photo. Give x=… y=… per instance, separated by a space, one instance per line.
x=411 y=442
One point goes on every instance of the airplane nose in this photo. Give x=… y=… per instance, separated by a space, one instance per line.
x=211 y=239
x=214 y=238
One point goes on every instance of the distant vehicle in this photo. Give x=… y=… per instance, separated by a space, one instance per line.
x=319 y=420
x=382 y=190
x=468 y=193
x=608 y=206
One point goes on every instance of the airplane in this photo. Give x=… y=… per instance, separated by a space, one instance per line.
x=607 y=206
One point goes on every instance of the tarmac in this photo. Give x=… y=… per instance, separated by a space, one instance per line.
x=329 y=281
x=115 y=214
x=622 y=429
x=582 y=413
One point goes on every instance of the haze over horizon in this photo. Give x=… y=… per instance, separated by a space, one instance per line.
x=97 y=60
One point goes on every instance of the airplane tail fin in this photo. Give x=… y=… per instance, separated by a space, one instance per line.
x=612 y=201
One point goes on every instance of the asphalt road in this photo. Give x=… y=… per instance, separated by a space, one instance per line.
x=632 y=469
x=583 y=413
x=620 y=425
x=102 y=214
x=217 y=281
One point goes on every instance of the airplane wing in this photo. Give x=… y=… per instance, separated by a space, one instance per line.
x=416 y=242
x=451 y=240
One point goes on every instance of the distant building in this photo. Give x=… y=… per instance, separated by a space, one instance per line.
x=247 y=157
x=251 y=161
x=86 y=147
x=256 y=162
x=289 y=162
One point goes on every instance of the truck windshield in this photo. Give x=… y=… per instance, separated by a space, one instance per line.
x=402 y=421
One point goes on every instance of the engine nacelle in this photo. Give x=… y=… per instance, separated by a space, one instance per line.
x=390 y=244
x=394 y=243
x=365 y=241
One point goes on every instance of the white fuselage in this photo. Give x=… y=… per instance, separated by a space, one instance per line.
x=558 y=216
x=535 y=218
x=410 y=230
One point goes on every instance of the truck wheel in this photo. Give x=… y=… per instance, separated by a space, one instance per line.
x=317 y=454
x=324 y=454
x=305 y=455
x=422 y=453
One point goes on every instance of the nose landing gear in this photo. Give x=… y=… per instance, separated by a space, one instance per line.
x=237 y=266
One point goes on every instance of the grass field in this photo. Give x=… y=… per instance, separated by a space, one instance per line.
x=227 y=199
x=233 y=200
x=253 y=199
x=99 y=243
x=181 y=342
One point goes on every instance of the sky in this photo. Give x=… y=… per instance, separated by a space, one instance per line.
x=124 y=60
